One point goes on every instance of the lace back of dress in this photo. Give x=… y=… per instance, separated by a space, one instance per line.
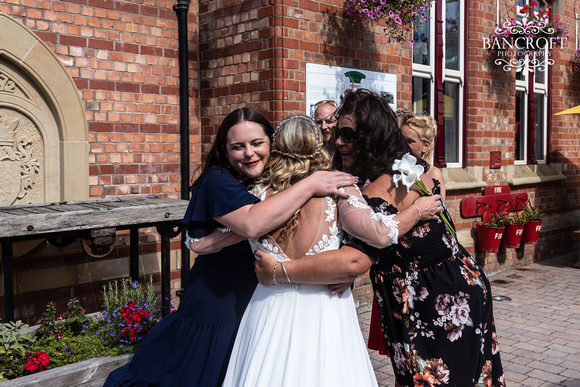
x=317 y=231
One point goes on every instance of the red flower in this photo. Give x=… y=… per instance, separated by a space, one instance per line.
x=134 y=317
x=38 y=362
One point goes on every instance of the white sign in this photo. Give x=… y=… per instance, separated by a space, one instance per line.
x=330 y=83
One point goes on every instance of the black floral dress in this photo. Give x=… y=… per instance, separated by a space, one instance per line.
x=435 y=307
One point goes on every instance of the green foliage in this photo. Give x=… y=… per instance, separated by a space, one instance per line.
x=531 y=214
x=497 y=219
x=130 y=310
x=515 y=219
x=117 y=294
x=13 y=348
x=72 y=319
x=12 y=341
x=74 y=347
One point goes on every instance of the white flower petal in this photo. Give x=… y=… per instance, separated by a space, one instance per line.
x=396 y=179
x=409 y=181
x=396 y=165
x=418 y=170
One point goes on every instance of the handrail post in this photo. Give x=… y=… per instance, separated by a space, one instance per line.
x=7 y=262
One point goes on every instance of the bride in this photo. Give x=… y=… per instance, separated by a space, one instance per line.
x=299 y=334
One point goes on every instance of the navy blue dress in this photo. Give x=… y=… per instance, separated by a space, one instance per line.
x=192 y=346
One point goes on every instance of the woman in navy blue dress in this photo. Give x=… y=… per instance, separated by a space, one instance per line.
x=191 y=347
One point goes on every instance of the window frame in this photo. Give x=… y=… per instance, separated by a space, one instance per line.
x=533 y=88
x=439 y=74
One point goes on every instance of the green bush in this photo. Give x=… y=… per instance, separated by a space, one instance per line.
x=130 y=310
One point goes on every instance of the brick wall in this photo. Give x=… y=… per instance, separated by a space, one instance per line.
x=122 y=56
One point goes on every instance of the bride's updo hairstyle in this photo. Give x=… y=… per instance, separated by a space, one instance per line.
x=297 y=152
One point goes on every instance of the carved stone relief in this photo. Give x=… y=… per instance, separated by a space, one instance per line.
x=43 y=130
x=21 y=157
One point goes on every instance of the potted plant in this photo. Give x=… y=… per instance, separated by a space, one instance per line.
x=533 y=224
x=514 y=230
x=397 y=17
x=490 y=231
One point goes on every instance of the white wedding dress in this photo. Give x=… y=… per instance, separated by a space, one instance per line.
x=298 y=334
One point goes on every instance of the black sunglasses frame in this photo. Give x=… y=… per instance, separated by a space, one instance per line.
x=347 y=134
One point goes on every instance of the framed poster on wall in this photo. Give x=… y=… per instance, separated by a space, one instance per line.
x=329 y=83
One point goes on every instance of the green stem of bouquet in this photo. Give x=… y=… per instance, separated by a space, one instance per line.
x=423 y=188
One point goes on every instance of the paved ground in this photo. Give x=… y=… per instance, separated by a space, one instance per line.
x=538 y=330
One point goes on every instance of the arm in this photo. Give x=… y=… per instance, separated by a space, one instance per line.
x=376 y=229
x=213 y=242
x=328 y=267
x=252 y=221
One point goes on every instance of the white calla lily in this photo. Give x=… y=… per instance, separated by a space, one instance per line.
x=410 y=175
x=410 y=171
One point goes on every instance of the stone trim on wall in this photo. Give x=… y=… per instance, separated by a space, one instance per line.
x=54 y=106
x=463 y=178
x=534 y=174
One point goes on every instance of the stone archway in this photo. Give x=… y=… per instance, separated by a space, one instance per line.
x=44 y=145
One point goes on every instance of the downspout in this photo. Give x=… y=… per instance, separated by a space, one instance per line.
x=276 y=40
x=181 y=9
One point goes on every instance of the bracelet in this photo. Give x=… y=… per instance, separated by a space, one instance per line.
x=419 y=211
x=274 y=273
x=285 y=272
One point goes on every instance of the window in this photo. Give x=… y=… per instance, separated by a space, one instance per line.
x=451 y=66
x=423 y=69
x=531 y=103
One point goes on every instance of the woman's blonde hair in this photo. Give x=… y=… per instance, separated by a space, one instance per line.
x=297 y=152
x=426 y=129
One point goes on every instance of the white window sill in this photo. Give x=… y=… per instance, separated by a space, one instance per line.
x=463 y=178
x=534 y=174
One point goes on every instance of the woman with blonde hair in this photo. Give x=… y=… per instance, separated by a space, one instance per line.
x=421 y=133
x=300 y=334
x=435 y=302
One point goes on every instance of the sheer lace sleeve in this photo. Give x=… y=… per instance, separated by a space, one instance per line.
x=358 y=219
x=214 y=242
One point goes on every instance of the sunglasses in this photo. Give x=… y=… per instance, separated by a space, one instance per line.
x=347 y=134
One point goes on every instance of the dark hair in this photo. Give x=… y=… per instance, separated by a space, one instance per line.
x=379 y=140
x=217 y=156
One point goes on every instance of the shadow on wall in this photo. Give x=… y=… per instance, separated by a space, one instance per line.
x=343 y=37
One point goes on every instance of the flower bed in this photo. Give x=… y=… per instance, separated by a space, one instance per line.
x=129 y=311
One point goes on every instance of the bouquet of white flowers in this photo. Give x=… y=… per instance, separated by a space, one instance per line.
x=411 y=177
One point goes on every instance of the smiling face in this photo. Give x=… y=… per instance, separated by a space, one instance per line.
x=325 y=120
x=418 y=147
x=248 y=148
x=346 y=149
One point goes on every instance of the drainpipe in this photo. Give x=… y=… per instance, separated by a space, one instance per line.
x=181 y=9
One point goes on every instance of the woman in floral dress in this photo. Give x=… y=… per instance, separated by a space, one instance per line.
x=434 y=300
